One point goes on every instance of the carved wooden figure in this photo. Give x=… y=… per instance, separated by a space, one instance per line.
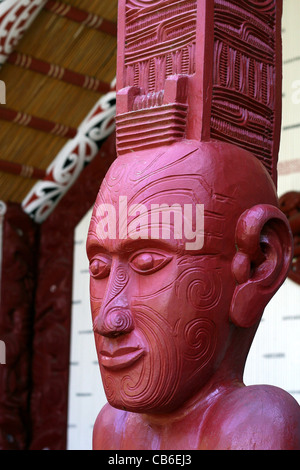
x=187 y=244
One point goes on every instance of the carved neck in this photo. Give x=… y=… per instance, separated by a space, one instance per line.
x=197 y=406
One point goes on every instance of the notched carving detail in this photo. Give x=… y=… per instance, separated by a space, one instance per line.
x=244 y=77
x=159 y=56
x=147 y=120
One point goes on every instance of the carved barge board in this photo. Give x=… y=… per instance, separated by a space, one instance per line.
x=200 y=70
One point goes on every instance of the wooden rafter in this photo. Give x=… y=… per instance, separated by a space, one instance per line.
x=26 y=171
x=44 y=125
x=80 y=16
x=60 y=73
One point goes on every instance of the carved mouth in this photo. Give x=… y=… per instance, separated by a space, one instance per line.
x=121 y=358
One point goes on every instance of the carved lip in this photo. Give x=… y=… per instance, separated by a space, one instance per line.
x=121 y=358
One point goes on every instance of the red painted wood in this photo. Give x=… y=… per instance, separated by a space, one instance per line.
x=232 y=90
x=198 y=124
x=58 y=72
x=16 y=320
x=81 y=16
x=21 y=170
x=290 y=205
x=44 y=125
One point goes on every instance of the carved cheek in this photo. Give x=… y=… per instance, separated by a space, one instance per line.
x=161 y=300
x=198 y=294
x=199 y=289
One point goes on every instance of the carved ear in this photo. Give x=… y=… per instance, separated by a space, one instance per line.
x=264 y=243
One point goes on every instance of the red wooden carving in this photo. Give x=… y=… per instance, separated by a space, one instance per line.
x=290 y=205
x=16 y=319
x=187 y=244
x=230 y=81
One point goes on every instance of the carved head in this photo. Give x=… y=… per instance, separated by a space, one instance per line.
x=186 y=247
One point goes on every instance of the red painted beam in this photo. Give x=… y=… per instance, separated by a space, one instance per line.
x=58 y=72
x=25 y=171
x=81 y=16
x=44 y=125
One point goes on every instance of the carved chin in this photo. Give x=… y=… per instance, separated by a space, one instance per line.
x=150 y=382
x=157 y=380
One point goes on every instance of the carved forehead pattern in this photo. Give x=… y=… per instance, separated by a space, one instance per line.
x=141 y=179
x=172 y=176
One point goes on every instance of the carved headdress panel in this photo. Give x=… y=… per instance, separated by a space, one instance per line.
x=200 y=70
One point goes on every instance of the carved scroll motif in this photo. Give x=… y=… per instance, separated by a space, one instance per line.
x=244 y=76
x=71 y=160
x=160 y=42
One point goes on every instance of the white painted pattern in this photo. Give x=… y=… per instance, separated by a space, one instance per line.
x=16 y=17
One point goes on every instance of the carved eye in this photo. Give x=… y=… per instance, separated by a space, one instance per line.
x=149 y=262
x=100 y=267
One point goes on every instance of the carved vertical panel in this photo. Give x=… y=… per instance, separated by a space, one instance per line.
x=53 y=305
x=290 y=206
x=159 y=41
x=16 y=323
x=247 y=77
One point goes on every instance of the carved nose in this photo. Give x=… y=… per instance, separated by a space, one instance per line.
x=116 y=322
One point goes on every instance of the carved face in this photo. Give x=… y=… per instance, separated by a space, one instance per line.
x=160 y=311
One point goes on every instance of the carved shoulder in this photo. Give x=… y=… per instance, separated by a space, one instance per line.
x=108 y=428
x=259 y=417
